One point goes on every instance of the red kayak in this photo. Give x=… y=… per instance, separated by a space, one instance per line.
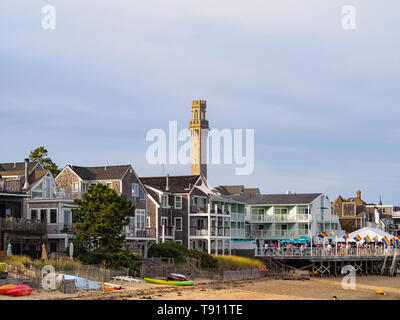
x=22 y=290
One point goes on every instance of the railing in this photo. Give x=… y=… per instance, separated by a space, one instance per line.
x=237 y=232
x=324 y=251
x=11 y=185
x=279 y=217
x=67 y=228
x=278 y=233
x=23 y=225
x=144 y=233
x=168 y=231
x=215 y=231
x=237 y=216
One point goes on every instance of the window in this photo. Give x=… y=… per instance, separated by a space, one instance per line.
x=67 y=217
x=37 y=192
x=47 y=188
x=34 y=214
x=178 y=224
x=53 y=215
x=141 y=194
x=164 y=221
x=303 y=210
x=140 y=219
x=135 y=190
x=164 y=201
x=43 y=215
x=75 y=187
x=178 y=202
x=109 y=185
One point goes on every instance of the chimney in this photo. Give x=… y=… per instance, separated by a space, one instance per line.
x=167 y=182
x=26 y=185
x=358 y=194
x=105 y=167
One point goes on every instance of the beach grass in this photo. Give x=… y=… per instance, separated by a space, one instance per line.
x=236 y=262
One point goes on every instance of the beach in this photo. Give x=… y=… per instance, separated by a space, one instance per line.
x=265 y=289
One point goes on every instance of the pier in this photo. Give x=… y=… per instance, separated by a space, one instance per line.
x=330 y=262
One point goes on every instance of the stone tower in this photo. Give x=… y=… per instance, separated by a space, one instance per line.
x=198 y=127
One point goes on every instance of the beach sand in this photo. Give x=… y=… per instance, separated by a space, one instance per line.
x=265 y=289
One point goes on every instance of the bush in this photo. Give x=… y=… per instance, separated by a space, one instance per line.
x=169 y=250
x=207 y=260
x=179 y=252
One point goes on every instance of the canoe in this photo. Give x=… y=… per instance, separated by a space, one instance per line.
x=22 y=290
x=169 y=282
x=7 y=287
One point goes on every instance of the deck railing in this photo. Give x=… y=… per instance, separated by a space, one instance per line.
x=324 y=252
x=23 y=225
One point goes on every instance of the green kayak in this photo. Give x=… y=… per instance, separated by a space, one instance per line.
x=169 y=282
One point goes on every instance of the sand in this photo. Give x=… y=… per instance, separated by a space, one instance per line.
x=266 y=289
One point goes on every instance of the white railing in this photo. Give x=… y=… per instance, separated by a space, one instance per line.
x=324 y=252
x=237 y=232
x=278 y=233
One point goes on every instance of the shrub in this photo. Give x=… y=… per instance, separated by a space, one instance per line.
x=169 y=250
x=207 y=260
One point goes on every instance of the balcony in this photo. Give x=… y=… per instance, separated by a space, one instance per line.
x=215 y=231
x=142 y=233
x=67 y=228
x=237 y=232
x=236 y=216
x=168 y=231
x=278 y=233
x=303 y=217
x=11 y=186
x=23 y=226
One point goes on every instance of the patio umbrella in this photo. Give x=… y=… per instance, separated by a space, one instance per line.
x=44 y=252
x=285 y=241
x=9 y=252
x=71 y=250
x=304 y=238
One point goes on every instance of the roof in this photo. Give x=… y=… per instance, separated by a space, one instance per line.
x=101 y=173
x=177 y=184
x=251 y=191
x=371 y=232
x=299 y=198
x=17 y=166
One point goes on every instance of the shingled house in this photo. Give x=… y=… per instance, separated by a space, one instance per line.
x=73 y=181
x=185 y=210
x=17 y=181
x=352 y=211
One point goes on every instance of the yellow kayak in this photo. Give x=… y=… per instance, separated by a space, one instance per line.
x=169 y=282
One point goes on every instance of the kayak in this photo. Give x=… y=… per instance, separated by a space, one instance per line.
x=22 y=290
x=169 y=282
x=7 y=287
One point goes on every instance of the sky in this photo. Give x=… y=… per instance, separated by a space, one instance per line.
x=323 y=100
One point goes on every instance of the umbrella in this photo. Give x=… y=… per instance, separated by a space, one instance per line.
x=44 y=252
x=9 y=252
x=299 y=241
x=304 y=238
x=71 y=250
x=285 y=241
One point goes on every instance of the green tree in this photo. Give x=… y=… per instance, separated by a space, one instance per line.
x=40 y=154
x=100 y=218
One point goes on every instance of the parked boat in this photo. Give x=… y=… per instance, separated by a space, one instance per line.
x=169 y=282
x=22 y=290
x=7 y=287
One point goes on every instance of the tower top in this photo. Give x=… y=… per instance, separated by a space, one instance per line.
x=199 y=103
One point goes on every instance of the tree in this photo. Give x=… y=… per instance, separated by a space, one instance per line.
x=101 y=217
x=40 y=154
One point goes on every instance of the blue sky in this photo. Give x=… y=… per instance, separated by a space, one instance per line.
x=324 y=101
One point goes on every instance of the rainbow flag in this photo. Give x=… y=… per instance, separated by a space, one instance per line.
x=367 y=239
x=346 y=236
x=386 y=240
x=322 y=235
x=398 y=239
x=357 y=238
x=333 y=232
